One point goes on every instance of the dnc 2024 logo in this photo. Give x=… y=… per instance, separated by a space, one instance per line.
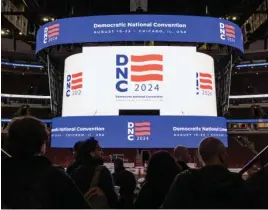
x=204 y=84
x=74 y=84
x=145 y=72
x=51 y=33
x=227 y=32
x=140 y=131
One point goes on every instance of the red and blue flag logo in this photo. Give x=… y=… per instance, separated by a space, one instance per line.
x=203 y=82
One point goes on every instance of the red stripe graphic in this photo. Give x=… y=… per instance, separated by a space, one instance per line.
x=230 y=35
x=75 y=81
x=230 y=31
x=149 y=57
x=75 y=87
x=54 y=26
x=144 y=78
x=53 y=30
x=229 y=26
x=142 y=133
x=142 y=124
x=53 y=34
x=142 y=129
x=205 y=75
x=148 y=67
x=207 y=81
x=206 y=87
x=79 y=74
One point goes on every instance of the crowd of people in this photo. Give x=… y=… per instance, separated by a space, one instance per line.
x=30 y=180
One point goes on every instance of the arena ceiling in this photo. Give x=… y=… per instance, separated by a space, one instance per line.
x=37 y=9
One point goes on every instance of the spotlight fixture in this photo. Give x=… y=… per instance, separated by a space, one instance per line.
x=5 y=32
x=234 y=18
x=45 y=19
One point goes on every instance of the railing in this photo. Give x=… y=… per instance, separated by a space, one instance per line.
x=43 y=120
x=24 y=96
x=48 y=97
x=35 y=101
x=228 y=121
x=248 y=96
x=22 y=65
x=261 y=156
x=265 y=64
x=248 y=121
x=4 y=153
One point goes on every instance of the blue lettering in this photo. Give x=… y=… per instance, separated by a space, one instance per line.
x=69 y=78
x=68 y=85
x=123 y=73
x=121 y=60
x=119 y=88
x=68 y=93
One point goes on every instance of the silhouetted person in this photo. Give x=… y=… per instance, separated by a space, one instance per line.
x=76 y=163
x=23 y=110
x=161 y=171
x=29 y=180
x=90 y=157
x=212 y=186
x=182 y=157
x=127 y=183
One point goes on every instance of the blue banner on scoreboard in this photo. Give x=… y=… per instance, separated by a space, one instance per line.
x=113 y=28
x=137 y=131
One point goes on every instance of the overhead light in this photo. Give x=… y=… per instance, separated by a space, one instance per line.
x=234 y=18
x=45 y=19
x=52 y=19
x=5 y=32
x=20 y=33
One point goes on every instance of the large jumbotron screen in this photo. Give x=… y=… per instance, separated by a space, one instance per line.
x=138 y=131
x=102 y=83
x=104 y=80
